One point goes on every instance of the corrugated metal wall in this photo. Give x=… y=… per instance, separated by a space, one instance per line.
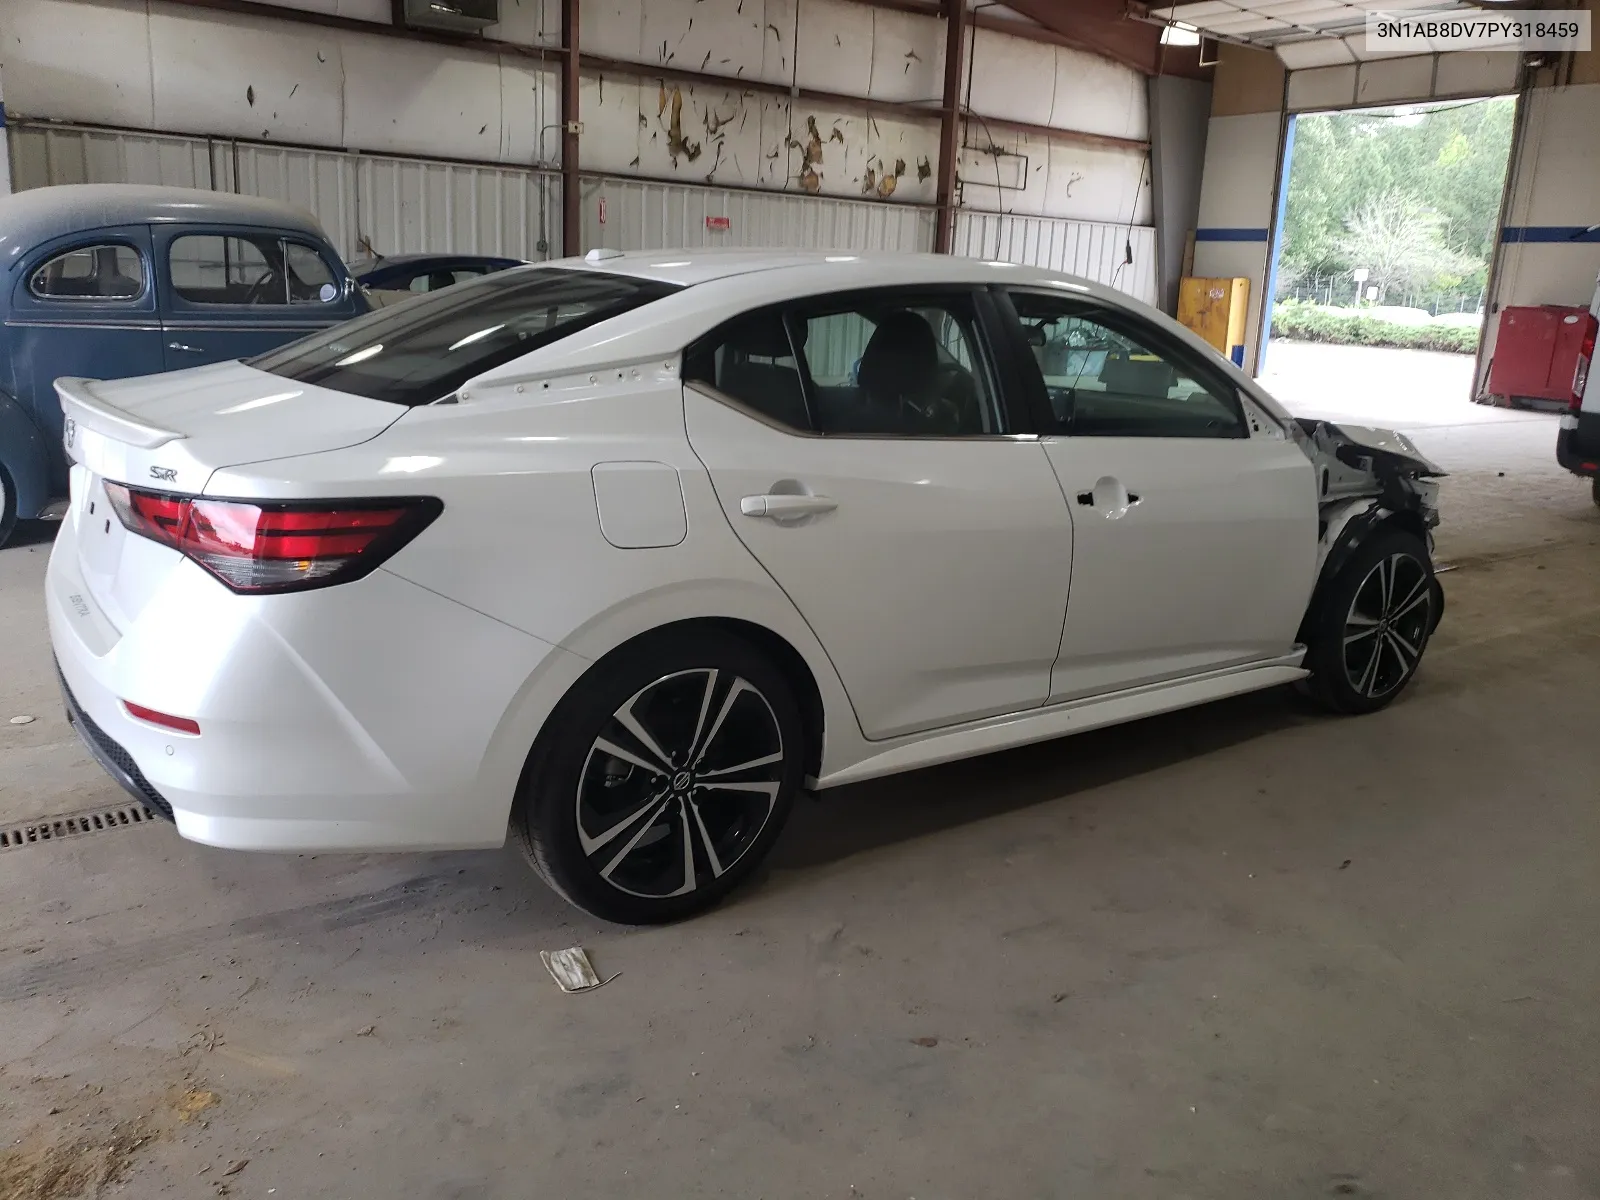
x=1088 y=249
x=393 y=205
x=644 y=215
x=398 y=205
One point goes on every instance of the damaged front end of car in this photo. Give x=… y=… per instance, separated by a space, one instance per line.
x=1367 y=478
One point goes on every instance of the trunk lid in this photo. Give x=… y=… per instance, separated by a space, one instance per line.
x=170 y=433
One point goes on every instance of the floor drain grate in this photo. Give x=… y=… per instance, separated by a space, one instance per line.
x=53 y=829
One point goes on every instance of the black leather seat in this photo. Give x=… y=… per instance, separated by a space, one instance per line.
x=758 y=369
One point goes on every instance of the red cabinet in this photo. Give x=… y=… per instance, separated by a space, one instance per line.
x=1537 y=350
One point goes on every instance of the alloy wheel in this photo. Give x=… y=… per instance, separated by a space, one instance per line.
x=1388 y=625
x=679 y=783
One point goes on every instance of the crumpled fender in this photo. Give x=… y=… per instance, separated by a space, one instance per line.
x=1366 y=478
x=1390 y=444
x=26 y=457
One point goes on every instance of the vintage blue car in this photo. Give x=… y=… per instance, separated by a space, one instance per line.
x=109 y=280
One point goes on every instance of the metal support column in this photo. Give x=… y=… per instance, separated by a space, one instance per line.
x=955 y=41
x=571 y=128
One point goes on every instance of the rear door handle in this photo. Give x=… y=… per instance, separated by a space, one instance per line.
x=784 y=507
x=183 y=349
x=1087 y=498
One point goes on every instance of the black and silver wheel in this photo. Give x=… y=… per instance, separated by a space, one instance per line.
x=1372 y=624
x=664 y=779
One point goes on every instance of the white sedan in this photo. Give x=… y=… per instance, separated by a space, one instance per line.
x=625 y=552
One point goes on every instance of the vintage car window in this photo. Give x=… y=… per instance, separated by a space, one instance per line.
x=106 y=272
x=309 y=275
x=253 y=269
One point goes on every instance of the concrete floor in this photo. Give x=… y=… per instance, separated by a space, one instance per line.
x=1245 y=951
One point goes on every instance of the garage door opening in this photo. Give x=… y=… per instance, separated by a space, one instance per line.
x=1386 y=234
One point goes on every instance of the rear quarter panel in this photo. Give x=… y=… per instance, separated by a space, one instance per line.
x=520 y=538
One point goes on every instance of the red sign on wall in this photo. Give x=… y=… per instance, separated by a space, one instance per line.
x=602 y=210
x=718 y=224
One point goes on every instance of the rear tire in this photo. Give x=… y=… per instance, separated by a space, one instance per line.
x=1372 y=624
x=8 y=507
x=1594 y=494
x=663 y=778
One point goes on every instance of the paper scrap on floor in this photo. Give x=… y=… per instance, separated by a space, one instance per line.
x=570 y=969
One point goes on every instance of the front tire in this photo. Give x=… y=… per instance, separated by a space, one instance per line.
x=663 y=779
x=1372 y=624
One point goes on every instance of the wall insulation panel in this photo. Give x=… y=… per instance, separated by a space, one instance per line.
x=1088 y=249
x=1034 y=174
x=718 y=135
x=127 y=64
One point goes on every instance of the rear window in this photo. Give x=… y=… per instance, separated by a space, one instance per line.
x=423 y=350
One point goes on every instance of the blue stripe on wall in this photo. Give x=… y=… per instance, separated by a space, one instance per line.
x=1230 y=235
x=1547 y=233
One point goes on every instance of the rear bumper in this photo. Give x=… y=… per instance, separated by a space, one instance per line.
x=359 y=717
x=115 y=761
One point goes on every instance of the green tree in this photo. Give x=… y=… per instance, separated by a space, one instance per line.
x=1401 y=241
x=1451 y=160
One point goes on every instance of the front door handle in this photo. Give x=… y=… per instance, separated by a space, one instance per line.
x=183 y=349
x=785 y=507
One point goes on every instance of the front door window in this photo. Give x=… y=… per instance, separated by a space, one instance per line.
x=249 y=269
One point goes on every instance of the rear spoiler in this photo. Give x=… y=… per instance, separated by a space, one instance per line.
x=80 y=403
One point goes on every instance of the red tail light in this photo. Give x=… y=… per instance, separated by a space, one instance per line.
x=1580 y=371
x=262 y=547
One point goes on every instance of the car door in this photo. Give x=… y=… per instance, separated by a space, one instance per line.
x=1195 y=518
x=231 y=293
x=81 y=305
x=877 y=477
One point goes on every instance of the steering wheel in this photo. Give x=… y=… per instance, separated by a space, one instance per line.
x=258 y=289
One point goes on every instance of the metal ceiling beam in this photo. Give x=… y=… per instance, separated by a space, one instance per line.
x=955 y=45
x=571 y=126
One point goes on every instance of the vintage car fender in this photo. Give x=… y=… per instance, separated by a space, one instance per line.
x=24 y=454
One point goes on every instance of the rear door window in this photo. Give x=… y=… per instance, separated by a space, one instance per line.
x=104 y=272
x=423 y=350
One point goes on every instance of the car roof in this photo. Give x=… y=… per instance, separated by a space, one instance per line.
x=846 y=268
x=39 y=214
